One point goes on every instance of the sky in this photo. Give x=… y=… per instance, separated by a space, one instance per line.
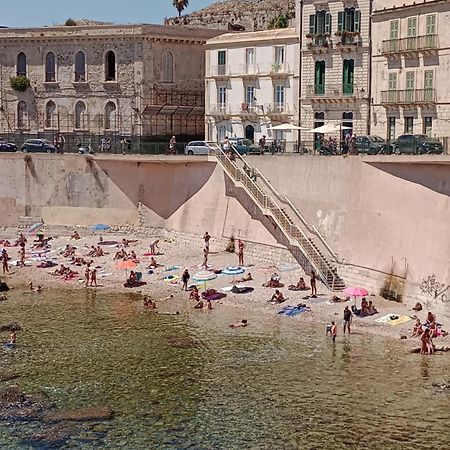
x=35 y=13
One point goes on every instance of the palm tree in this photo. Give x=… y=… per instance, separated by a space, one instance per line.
x=180 y=5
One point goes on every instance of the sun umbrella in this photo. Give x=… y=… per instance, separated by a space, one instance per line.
x=127 y=264
x=100 y=227
x=35 y=227
x=329 y=128
x=356 y=291
x=234 y=270
x=287 y=127
x=204 y=276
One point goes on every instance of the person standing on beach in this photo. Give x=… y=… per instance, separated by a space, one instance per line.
x=4 y=258
x=94 y=277
x=206 y=238
x=87 y=275
x=22 y=255
x=185 y=278
x=347 y=319
x=333 y=331
x=241 y=246
x=205 y=259
x=313 y=284
x=154 y=246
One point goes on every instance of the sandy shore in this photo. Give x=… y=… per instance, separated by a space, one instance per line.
x=182 y=255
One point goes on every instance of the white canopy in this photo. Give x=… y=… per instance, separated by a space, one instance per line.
x=287 y=126
x=329 y=128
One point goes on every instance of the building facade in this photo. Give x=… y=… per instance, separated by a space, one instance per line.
x=335 y=64
x=109 y=80
x=411 y=67
x=252 y=84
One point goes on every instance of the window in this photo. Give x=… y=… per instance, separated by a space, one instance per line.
x=167 y=67
x=319 y=118
x=222 y=96
x=347 y=76
x=80 y=67
x=431 y=24
x=22 y=115
x=393 y=35
x=410 y=82
x=249 y=56
x=21 y=65
x=349 y=20
x=110 y=66
x=221 y=133
x=347 y=121
x=320 y=23
x=221 y=62
x=391 y=128
x=392 y=87
x=50 y=68
x=319 y=78
x=250 y=95
x=279 y=55
x=80 y=115
x=50 y=112
x=409 y=125
x=411 y=41
x=110 y=116
x=279 y=97
x=427 y=126
x=250 y=132
x=428 y=85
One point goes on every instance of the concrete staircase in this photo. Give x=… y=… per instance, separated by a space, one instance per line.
x=301 y=236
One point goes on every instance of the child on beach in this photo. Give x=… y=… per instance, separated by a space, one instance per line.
x=94 y=277
x=333 y=331
x=185 y=278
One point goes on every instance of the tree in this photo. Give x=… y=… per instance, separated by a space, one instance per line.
x=70 y=23
x=180 y=5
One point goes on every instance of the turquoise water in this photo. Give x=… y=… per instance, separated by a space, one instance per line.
x=278 y=384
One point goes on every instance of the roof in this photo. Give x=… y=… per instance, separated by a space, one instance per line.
x=255 y=36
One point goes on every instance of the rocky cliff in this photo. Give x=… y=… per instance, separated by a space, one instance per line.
x=238 y=15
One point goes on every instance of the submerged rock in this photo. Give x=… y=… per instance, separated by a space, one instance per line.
x=14 y=326
x=52 y=437
x=80 y=415
x=12 y=394
x=7 y=376
x=180 y=342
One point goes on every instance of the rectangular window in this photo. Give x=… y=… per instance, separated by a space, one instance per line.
x=221 y=57
x=427 y=126
x=393 y=35
x=348 y=76
x=411 y=40
x=320 y=22
x=279 y=55
x=250 y=95
x=319 y=78
x=428 y=85
x=222 y=96
x=392 y=88
x=250 y=56
x=279 y=97
x=409 y=125
x=410 y=83
x=431 y=24
x=391 y=129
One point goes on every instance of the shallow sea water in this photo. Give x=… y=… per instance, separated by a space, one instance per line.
x=278 y=384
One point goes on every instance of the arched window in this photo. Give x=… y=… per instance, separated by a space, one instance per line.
x=110 y=116
x=80 y=115
x=22 y=115
x=50 y=67
x=21 y=65
x=50 y=113
x=80 y=67
x=110 y=66
x=167 y=67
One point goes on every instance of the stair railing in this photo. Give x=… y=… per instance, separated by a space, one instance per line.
x=320 y=264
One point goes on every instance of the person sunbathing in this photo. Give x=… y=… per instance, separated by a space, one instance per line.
x=60 y=271
x=274 y=281
x=125 y=242
x=133 y=256
x=121 y=254
x=92 y=251
x=364 y=308
x=243 y=323
x=300 y=286
x=75 y=236
x=200 y=304
x=277 y=297
x=245 y=278
x=153 y=264
x=371 y=310
x=149 y=303
x=431 y=318
x=208 y=305
x=417 y=329
x=427 y=347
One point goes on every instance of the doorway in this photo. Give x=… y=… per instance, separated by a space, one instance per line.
x=250 y=132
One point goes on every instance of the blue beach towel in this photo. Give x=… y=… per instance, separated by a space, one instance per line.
x=292 y=311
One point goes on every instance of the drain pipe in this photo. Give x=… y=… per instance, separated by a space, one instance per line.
x=300 y=65
x=369 y=99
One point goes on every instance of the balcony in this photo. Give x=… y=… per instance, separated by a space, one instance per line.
x=249 y=71
x=410 y=46
x=332 y=93
x=248 y=110
x=349 y=40
x=318 y=43
x=219 y=111
x=279 y=70
x=277 y=110
x=220 y=72
x=408 y=97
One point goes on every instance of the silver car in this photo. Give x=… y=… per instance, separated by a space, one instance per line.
x=199 y=148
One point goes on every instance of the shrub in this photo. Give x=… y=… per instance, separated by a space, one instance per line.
x=20 y=83
x=70 y=23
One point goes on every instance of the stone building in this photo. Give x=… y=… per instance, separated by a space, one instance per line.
x=252 y=84
x=88 y=82
x=411 y=67
x=335 y=65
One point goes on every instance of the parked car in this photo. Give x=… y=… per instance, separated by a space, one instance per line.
x=416 y=144
x=199 y=148
x=7 y=146
x=372 y=145
x=38 y=145
x=244 y=146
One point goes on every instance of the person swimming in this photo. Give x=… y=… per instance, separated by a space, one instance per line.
x=241 y=324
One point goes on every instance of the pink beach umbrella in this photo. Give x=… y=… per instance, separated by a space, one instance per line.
x=356 y=291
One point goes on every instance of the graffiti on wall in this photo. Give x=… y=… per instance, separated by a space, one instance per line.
x=435 y=289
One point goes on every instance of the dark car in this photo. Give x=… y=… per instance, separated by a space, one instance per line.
x=38 y=145
x=7 y=146
x=244 y=146
x=372 y=145
x=416 y=144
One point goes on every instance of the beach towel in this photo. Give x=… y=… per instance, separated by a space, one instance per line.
x=170 y=268
x=292 y=311
x=384 y=319
x=242 y=289
x=400 y=320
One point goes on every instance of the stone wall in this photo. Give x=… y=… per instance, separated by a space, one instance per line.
x=239 y=15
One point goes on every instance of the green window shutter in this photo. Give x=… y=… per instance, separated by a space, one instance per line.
x=328 y=23
x=340 y=21
x=394 y=29
x=412 y=24
x=431 y=24
x=357 y=20
x=312 y=24
x=428 y=83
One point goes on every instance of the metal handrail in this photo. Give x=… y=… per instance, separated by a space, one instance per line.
x=319 y=262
